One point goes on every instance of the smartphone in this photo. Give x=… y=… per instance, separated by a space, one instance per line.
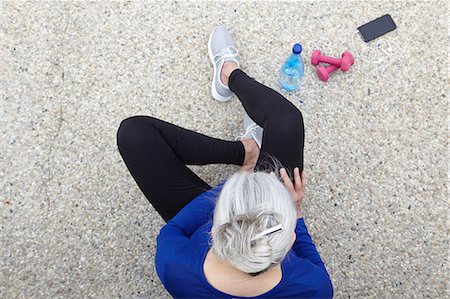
x=377 y=28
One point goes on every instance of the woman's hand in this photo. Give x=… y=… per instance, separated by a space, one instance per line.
x=296 y=189
x=251 y=154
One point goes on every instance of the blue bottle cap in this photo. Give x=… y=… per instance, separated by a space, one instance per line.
x=297 y=49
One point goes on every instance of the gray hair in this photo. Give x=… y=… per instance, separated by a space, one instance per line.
x=251 y=202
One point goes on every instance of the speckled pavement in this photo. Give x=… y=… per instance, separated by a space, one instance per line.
x=74 y=223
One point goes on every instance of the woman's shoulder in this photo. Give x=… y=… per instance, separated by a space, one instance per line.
x=304 y=275
x=193 y=247
x=301 y=270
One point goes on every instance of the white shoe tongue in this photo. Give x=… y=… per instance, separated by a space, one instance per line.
x=258 y=132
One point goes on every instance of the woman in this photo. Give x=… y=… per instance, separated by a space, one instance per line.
x=246 y=236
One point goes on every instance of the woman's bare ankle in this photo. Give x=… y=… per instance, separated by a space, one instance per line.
x=227 y=68
x=251 y=154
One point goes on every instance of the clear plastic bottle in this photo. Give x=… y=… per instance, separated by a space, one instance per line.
x=292 y=70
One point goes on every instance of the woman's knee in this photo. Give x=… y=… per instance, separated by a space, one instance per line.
x=295 y=117
x=131 y=131
x=288 y=122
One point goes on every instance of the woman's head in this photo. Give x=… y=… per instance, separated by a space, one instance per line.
x=250 y=203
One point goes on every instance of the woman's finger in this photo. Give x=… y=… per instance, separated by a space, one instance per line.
x=286 y=179
x=303 y=180
x=283 y=174
x=297 y=180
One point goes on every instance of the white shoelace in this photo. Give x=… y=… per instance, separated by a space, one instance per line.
x=226 y=53
x=251 y=129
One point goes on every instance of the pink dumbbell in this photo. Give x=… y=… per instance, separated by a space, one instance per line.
x=344 y=63
x=324 y=72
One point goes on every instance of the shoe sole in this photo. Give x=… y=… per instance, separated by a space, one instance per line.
x=214 y=92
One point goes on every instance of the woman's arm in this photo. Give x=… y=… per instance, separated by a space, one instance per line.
x=196 y=213
x=180 y=228
x=304 y=246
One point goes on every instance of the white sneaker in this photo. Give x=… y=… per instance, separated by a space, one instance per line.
x=252 y=130
x=220 y=49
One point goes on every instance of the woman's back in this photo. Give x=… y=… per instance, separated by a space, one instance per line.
x=184 y=242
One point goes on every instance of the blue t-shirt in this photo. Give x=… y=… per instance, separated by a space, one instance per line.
x=183 y=243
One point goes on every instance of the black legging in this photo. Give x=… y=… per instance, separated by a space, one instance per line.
x=157 y=152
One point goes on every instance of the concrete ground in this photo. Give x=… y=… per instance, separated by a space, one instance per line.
x=74 y=223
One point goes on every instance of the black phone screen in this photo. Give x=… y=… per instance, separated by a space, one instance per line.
x=377 y=28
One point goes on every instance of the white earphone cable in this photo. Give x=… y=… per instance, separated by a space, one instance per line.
x=380 y=57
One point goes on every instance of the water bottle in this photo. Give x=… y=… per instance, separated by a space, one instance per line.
x=292 y=70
